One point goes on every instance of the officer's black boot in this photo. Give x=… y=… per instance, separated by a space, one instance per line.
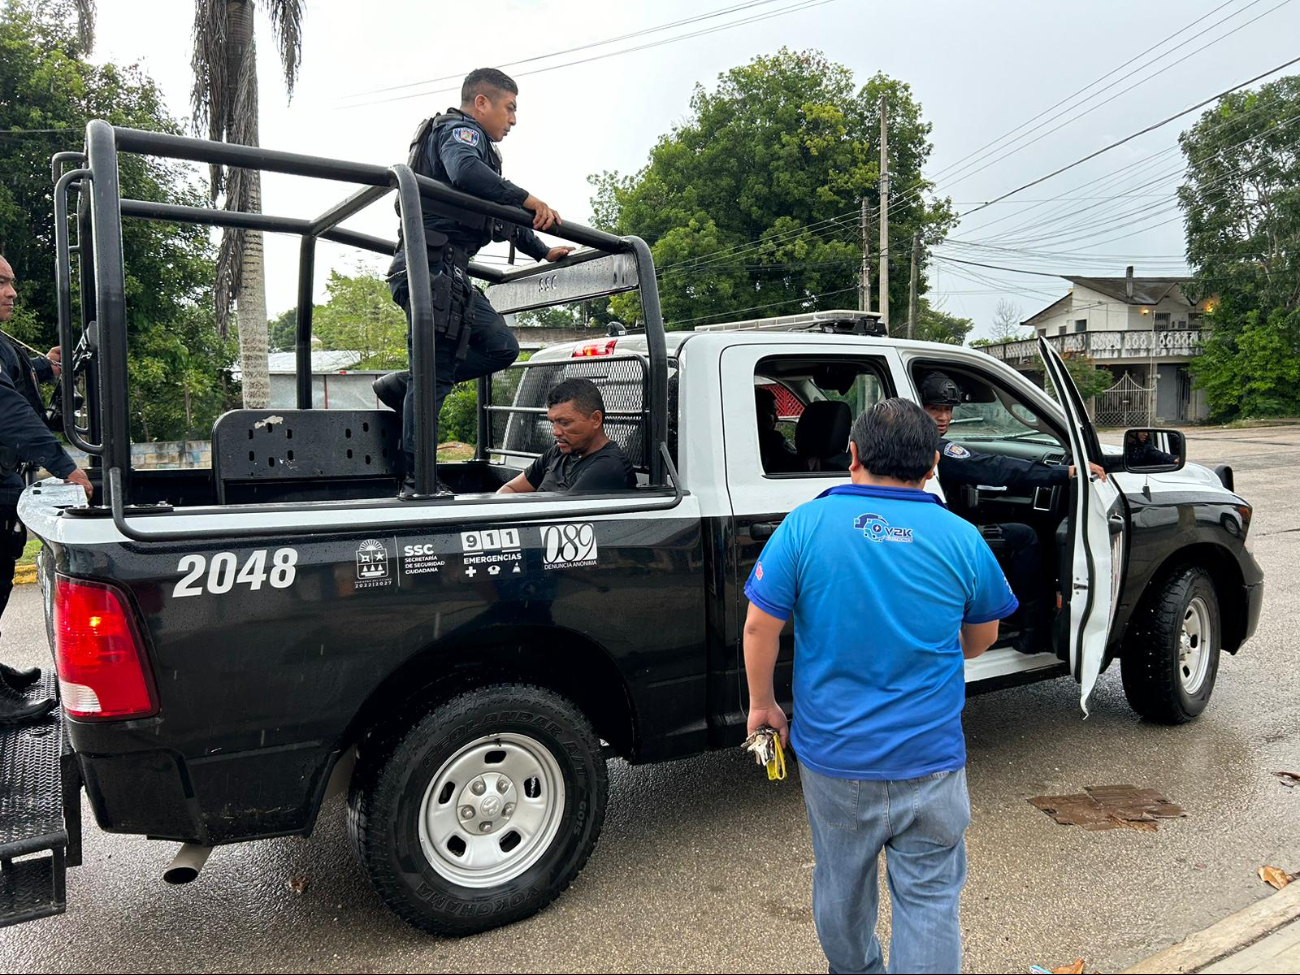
x=15 y=708
x=19 y=679
x=391 y=389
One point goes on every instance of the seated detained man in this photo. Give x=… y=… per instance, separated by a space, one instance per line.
x=583 y=460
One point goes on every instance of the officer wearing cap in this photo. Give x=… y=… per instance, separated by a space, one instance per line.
x=1016 y=545
x=458 y=147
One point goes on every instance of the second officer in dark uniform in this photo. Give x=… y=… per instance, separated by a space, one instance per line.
x=1016 y=545
x=458 y=147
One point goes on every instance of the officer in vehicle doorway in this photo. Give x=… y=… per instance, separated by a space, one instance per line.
x=459 y=147
x=1016 y=545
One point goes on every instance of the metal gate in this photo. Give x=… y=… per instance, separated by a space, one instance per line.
x=1126 y=404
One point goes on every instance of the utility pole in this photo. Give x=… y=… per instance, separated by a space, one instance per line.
x=884 y=214
x=864 y=274
x=913 y=302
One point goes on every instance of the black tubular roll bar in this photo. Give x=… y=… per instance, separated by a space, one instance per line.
x=614 y=264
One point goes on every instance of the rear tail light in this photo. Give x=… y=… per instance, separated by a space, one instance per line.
x=595 y=348
x=99 y=653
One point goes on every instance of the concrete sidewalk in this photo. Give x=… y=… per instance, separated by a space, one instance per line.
x=1264 y=937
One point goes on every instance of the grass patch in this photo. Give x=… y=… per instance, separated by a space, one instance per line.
x=455 y=451
x=29 y=552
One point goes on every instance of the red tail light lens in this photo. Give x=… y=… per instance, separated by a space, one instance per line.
x=99 y=653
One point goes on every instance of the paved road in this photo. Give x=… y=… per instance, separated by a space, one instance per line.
x=705 y=866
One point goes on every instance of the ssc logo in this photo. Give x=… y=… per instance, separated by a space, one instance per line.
x=956 y=450
x=878 y=529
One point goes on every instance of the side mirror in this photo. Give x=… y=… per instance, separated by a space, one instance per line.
x=1154 y=451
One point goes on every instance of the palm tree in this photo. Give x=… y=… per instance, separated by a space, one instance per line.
x=224 y=100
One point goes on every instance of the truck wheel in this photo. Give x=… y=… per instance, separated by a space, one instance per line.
x=483 y=812
x=1171 y=656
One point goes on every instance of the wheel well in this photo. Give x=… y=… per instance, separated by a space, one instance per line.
x=1228 y=582
x=561 y=660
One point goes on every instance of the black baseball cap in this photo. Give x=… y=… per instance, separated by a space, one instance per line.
x=937 y=389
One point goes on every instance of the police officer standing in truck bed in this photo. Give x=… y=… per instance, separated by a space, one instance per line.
x=458 y=147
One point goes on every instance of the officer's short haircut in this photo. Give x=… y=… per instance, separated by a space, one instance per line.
x=583 y=394
x=486 y=81
x=896 y=438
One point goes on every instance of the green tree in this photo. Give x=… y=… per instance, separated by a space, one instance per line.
x=360 y=314
x=282 y=331
x=751 y=205
x=1088 y=379
x=934 y=325
x=1241 y=205
x=46 y=83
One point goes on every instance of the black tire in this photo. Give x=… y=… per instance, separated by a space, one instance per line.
x=1155 y=680
x=390 y=785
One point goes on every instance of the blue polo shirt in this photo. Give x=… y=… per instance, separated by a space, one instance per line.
x=879 y=581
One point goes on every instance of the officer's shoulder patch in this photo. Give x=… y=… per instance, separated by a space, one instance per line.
x=465 y=134
x=955 y=450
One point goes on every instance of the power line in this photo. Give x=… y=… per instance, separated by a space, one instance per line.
x=1140 y=132
x=753 y=19
x=1123 y=91
x=722 y=11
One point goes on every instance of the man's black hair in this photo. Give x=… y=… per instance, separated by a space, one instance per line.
x=583 y=394
x=896 y=438
x=486 y=81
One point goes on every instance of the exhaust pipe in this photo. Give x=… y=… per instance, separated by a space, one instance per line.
x=187 y=863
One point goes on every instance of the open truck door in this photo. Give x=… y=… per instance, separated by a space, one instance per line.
x=1099 y=536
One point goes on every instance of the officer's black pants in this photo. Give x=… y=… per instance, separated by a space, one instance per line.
x=492 y=347
x=13 y=536
x=1020 y=554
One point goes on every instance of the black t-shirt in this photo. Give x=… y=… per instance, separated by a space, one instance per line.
x=599 y=472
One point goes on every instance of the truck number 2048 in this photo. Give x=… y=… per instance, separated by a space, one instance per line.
x=223 y=572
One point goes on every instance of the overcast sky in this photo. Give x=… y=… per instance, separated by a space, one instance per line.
x=979 y=70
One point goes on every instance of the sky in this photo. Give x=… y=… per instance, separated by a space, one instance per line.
x=981 y=71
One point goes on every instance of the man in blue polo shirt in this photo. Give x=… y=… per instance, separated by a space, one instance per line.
x=889 y=591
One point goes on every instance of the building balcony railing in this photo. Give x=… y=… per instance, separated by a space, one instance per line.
x=1106 y=346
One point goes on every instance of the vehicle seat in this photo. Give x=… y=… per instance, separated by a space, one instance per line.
x=821 y=437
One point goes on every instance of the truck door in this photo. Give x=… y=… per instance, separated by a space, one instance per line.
x=820 y=388
x=1100 y=533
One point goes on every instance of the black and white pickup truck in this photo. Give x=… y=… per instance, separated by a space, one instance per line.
x=234 y=644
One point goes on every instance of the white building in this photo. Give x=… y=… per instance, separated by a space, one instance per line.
x=1143 y=327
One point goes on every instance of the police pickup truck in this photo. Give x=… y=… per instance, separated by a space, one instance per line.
x=235 y=644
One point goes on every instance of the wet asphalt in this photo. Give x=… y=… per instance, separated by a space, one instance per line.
x=705 y=866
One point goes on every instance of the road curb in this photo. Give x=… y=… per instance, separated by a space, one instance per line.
x=1228 y=936
x=24 y=575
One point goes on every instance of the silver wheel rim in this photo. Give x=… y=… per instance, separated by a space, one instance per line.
x=1195 y=646
x=491 y=810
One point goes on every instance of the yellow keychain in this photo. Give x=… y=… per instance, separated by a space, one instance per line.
x=765 y=745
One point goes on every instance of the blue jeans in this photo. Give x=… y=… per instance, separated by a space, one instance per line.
x=921 y=825
x=492 y=346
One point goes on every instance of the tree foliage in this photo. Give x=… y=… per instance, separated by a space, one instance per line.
x=1241 y=203
x=751 y=205
x=360 y=315
x=178 y=364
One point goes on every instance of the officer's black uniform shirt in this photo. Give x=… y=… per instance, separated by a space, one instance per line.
x=603 y=470
x=23 y=434
x=458 y=151
x=959 y=464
